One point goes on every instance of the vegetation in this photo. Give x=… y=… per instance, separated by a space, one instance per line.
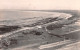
x=6 y=29
x=43 y=21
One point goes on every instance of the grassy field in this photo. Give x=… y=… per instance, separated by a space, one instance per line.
x=21 y=18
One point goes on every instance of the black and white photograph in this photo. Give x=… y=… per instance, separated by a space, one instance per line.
x=39 y=25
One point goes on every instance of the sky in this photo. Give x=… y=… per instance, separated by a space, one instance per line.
x=40 y=4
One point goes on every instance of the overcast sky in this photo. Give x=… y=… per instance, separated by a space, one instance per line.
x=40 y=4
